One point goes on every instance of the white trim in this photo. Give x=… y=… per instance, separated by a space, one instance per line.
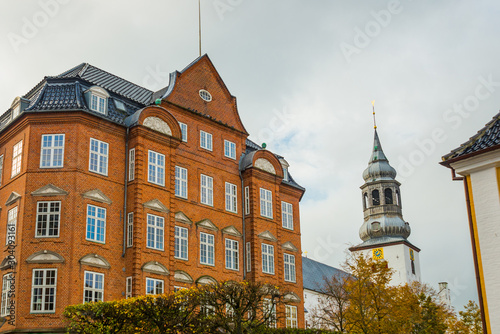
x=232 y=257
x=287 y=215
x=266 y=203
x=131 y=164
x=231 y=197
x=206 y=140
x=97 y=219
x=93 y=290
x=209 y=245
x=48 y=214
x=181 y=182
x=268 y=255
x=206 y=190
x=159 y=168
x=289 y=268
x=155 y=287
x=5 y=300
x=158 y=230
x=130 y=229
x=128 y=287
x=229 y=149
x=184 y=133
x=11 y=226
x=98 y=156
x=249 y=257
x=1 y=169
x=17 y=159
x=178 y=242
x=44 y=288
x=51 y=150
x=291 y=316
x=205 y=95
x=247 y=200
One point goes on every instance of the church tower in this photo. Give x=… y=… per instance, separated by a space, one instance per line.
x=384 y=232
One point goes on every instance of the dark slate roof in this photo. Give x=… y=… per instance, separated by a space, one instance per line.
x=109 y=82
x=486 y=138
x=314 y=274
x=252 y=147
x=58 y=96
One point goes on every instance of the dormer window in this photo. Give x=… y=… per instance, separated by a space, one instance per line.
x=97 y=99
x=98 y=104
x=285 y=165
x=18 y=105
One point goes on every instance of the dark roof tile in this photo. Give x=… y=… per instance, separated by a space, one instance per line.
x=314 y=274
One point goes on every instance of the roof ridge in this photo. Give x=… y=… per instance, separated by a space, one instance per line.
x=114 y=75
x=68 y=71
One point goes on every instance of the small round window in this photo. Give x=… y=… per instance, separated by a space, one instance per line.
x=205 y=95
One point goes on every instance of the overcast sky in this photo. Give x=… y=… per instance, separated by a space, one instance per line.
x=305 y=73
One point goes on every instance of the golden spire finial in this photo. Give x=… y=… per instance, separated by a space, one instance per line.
x=374 y=120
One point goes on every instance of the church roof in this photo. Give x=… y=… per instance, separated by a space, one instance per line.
x=314 y=274
x=486 y=139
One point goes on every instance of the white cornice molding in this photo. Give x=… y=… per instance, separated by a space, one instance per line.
x=207 y=223
x=95 y=260
x=180 y=217
x=290 y=247
x=13 y=197
x=182 y=276
x=45 y=256
x=478 y=162
x=266 y=235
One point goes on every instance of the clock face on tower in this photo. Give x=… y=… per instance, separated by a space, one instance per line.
x=378 y=253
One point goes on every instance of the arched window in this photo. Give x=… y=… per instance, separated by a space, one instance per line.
x=375 y=197
x=388 y=196
x=398 y=198
x=365 y=200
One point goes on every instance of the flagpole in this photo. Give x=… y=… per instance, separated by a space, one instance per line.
x=199 y=22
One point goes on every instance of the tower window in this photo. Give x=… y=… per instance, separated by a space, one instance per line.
x=365 y=200
x=375 y=197
x=398 y=198
x=388 y=196
x=413 y=267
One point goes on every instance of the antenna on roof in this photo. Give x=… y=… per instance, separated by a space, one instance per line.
x=199 y=22
x=374 y=120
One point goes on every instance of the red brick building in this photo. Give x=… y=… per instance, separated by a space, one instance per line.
x=109 y=190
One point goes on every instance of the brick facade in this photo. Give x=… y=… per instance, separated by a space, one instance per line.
x=79 y=188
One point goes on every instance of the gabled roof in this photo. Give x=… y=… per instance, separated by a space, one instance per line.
x=488 y=138
x=108 y=81
x=314 y=274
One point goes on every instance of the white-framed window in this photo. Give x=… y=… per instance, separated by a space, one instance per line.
x=52 y=153
x=98 y=103
x=205 y=140
x=154 y=286
x=249 y=257
x=287 y=215
x=181 y=243
x=266 y=203
x=17 y=155
x=247 y=200
x=96 y=223
x=231 y=197
x=156 y=168
x=184 y=131
x=181 y=176
x=11 y=226
x=285 y=174
x=270 y=311
x=130 y=229
x=232 y=255
x=43 y=291
x=128 y=291
x=48 y=216
x=93 y=287
x=207 y=190
x=229 y=149
x=6 y=284
x=291 y=316
x=207 y=249
x=1 y=168
x=98 y=161
x=289 y=261
x=155 y=231
x=131 y=164
x=268 y=259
